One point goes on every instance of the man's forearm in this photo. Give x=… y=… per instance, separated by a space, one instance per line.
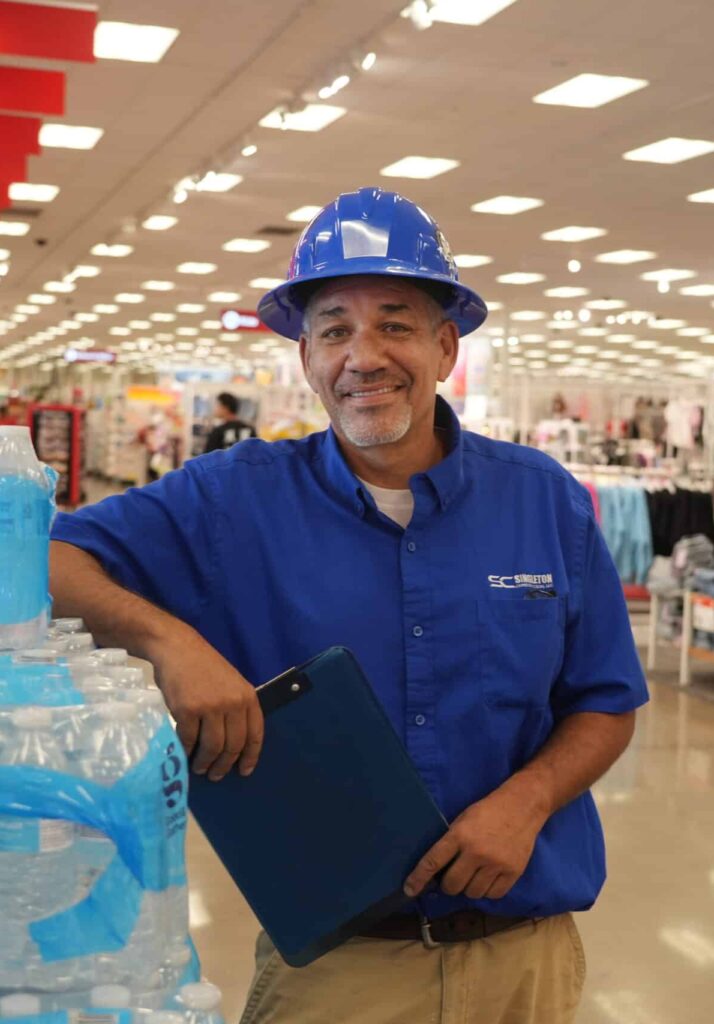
x=80 y=586
x=579 y=752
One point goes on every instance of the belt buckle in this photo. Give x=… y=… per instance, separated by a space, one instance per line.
x=426 y=936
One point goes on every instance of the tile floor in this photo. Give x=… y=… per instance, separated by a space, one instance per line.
x=650 y=938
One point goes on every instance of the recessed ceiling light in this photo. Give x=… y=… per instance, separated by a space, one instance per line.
x=190 y=307
x=162 y=318
x=590 y=90
x=105 y=307
x=668 y=350
x=117 y=250
x=644 y=345
x=211 y=325
x=625 y=256
x=16 y=228
x=593 y=332
x=25 y=307
x=41 y=300
x=561 y=343
x=671 y=151
x=59 y=286
x=119 y=332
x=159 y=222
x=215 y=181
x=266 y=282
x=245 y=245
x=565 y=292
x=708 y=339
x=702 y=197
x=419 y=167
x=494 y=306
x=467 y=12
x=703 y=290
x=528 y=314
x=69 y=136
x=158 y=286
x=129 y=297
x=139 y=325
x=87 y=318
x=23 y=191
x=693 y=332
x=520 y=278
x=667 y=324
x=121 y=40
x=606 y=304
x=196 y=268
x=559 y=359
x=667 y=275
x=621 y=339
x=586 y=350
x=312 y=118
x=574 y=233
x=507 y=205
x=187 y=332
x=83 y=270
x=224 y=297
x=464 y=260
x=303 y=214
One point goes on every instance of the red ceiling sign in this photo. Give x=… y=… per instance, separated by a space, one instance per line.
x=241 y=320
x=35 y=92
x=55 y=33
x=20 y=133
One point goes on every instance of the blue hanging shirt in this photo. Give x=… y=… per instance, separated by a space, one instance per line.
x=494 y=615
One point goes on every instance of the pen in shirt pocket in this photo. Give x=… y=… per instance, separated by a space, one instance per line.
x=535 y=593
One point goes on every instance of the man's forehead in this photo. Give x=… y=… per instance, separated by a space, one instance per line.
x=381 y=289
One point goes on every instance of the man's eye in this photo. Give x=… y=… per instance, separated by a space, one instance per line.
x=396 y=328
x=335 y=333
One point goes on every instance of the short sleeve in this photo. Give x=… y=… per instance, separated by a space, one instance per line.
x=601 y=668
x=157 y=541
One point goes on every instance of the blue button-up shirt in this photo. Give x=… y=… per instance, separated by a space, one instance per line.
x=496 y=613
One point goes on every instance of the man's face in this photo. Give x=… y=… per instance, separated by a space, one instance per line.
x=374 y=351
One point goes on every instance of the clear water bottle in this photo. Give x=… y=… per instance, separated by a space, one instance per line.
x=202 y=1003
x=116 y=997
x=67 y=625
x=111 y=656
x=80 y=643
x=151 y=705
x=26 y=506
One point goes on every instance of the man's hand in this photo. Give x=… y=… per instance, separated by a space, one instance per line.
x=218 y=717
x=490 y=845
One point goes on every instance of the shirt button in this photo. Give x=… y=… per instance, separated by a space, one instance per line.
x=420 y=720
x=417 y=631
x=411 y=547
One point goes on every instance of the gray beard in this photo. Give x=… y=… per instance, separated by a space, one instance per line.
x=369 y=435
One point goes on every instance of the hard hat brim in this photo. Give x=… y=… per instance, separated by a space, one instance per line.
x=282 y=309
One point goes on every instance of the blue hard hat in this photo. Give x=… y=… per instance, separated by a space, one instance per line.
x=370 y=232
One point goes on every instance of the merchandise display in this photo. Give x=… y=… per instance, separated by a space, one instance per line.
x=58 y=437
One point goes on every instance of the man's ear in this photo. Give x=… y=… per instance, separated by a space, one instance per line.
x=449 y=342
x=305 y=360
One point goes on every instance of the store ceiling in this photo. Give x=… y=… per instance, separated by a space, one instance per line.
x=464 y=93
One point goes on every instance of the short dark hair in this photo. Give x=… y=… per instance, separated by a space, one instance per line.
x=228 y=401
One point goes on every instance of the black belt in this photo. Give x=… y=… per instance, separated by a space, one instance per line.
x=461 y=926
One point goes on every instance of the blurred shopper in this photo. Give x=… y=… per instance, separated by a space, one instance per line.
x=230 y=429
x=469 y=577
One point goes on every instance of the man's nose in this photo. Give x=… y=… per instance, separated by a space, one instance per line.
x=366 y=352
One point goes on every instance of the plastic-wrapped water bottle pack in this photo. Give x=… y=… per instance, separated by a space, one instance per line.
x=93 y=812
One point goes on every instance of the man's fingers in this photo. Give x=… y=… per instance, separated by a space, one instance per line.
x=482 y=881
x=187 y=728
x=254 y=738
x=438 y=857
x=211 y=742
x=235 y=733
x=500 y=888
x=459 y=875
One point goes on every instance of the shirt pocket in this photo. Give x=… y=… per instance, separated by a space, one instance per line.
x=522 y=644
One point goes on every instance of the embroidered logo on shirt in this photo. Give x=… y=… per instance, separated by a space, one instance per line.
x=522 y=580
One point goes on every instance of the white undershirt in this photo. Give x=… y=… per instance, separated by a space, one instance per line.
x=395 y=504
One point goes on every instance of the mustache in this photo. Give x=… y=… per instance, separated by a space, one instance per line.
x=364 y=380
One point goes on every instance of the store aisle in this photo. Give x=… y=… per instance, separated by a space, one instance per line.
x=650 y=941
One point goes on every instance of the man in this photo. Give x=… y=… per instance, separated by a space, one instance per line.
x=230 y=429
x=468 y=576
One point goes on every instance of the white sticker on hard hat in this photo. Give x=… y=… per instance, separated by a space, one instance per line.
x=361 y=239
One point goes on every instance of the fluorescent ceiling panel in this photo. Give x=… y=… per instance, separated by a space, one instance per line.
x=566 y=292
x=467 y=12
x=702 y=197
x=590 y=90
x=574 y=233
x=69 y=136
x=25 y=192
x=507 y=205
x=105 y=307
x=693 y=332
x=224 y=297
x=528 y=314
x=59 y=286
x=464 y=260
x=303 y=214
x=520 y=278
x=118 y=250
x=129 y=297
x=606 y=304
x=703 y=290
x=214 y=181
x=196 y=268
x=312 y=118
x=667 y=324
x=159 y=222
x=158 y=286
x=14 y=228
x=622 y=256
x=266 y=282
x=190 y=307
x=121 y=40
x=419 y=167
x=245 y=245
x=667 y=275
x=671 y=151
x=48 y=300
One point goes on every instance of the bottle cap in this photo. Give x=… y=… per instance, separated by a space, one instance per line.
x=128 y=675
x=110 y=655
x=68 y=625
x=118 y=996
x=201 y=995
x=19 y=1004
x=80 y=641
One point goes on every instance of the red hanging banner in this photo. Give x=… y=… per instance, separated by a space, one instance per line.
x=20 y=134
x=13 y=166
x=55 y=33
x=36 y=92
x=4 y=194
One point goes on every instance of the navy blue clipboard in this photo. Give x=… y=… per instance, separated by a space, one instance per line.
x=322 y=836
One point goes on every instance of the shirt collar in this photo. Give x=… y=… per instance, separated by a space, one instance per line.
x=446 y=477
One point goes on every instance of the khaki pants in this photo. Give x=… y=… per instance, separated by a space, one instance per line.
x=532 y=974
